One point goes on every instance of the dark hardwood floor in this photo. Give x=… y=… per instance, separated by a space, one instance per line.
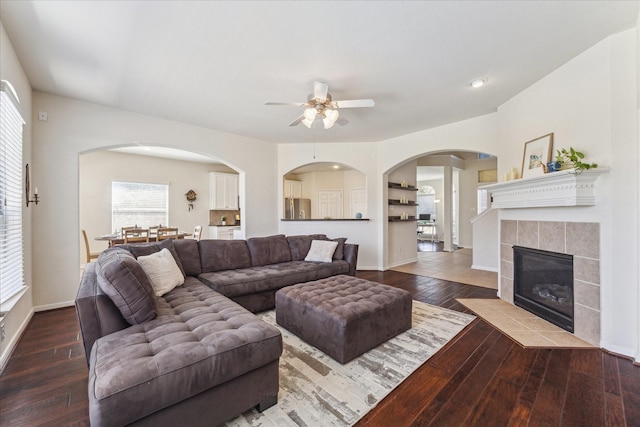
x=481 y=378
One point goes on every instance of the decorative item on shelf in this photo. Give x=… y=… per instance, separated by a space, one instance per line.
x=191 y=197
x=358 y=215
x=537 y=153
x=223 y=220
x=27 y=188
x=573 y=159
x=553 y=166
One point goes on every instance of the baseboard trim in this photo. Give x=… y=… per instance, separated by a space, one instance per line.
x=54 y=306
x=483 y=268
x=11 y=345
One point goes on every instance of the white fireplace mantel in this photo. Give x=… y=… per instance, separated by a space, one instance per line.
x=562 y=188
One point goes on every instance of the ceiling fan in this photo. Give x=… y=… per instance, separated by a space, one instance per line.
x=320 y=104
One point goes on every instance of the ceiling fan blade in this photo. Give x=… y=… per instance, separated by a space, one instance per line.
x=297 y=121
x=297 y=104
x=355 y=103
x=320 y=90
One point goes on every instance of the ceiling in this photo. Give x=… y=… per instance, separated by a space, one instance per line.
x=214 y=64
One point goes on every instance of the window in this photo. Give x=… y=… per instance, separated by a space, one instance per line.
x=140 y=204
x=11 y=196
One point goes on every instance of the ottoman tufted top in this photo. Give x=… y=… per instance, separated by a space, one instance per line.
x=343 y=297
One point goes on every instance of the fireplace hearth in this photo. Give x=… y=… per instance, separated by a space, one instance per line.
x=543 y=285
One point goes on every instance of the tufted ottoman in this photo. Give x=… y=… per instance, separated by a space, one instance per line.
x=344 y=316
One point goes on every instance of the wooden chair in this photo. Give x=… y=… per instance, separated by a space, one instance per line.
x=90 y=255
x=197 y=233
x=165 y=233
x=136 y=235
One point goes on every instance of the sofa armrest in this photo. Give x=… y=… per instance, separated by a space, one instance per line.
x=351 y=256
x=97 y=314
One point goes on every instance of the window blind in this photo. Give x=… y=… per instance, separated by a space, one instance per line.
x=141 y=204
x=11 y=195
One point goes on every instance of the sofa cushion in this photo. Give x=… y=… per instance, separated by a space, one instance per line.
x=321 y=251
x=269 y=250
x=199 y=340
x=122 y=278
x=299 y=245
x=217 y=255
x=188 y=251
x=246 y=281
x=143 y=249
x=162 y=270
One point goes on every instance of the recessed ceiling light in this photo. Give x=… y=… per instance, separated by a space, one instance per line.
x=478 y=82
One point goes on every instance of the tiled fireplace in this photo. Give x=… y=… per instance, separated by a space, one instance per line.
x=580 y=239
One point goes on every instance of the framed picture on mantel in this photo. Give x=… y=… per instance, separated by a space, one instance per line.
x=537 y=153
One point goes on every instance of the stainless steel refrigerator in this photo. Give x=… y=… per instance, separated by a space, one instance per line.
x=297 y=208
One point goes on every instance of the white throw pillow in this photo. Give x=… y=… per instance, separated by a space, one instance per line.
x=321 y=251
x=162 y=270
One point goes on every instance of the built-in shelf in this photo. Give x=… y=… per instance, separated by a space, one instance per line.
x=399 y=203
x=396 y=218
x=399 y=186
x=562 y=188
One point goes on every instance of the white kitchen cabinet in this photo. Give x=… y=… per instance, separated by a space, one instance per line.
x=223 y=191
x=292 y=189
x=223 y=233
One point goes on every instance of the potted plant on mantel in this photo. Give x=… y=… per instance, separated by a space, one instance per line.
x=571 y=159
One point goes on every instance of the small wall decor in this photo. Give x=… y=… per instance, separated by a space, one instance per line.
x=191 y=197
x=27 y=189
x=537 y=153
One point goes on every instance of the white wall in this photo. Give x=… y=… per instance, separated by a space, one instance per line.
x=21 y=307
x=590 y=103
x=76 y=127
x=468 y=197
x=402 y=242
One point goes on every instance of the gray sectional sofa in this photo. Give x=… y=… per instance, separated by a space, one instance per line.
x=196 y=355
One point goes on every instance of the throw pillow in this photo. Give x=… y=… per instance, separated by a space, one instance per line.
x=162 y=271
x=321 y=251
x=124 y=280
x=142 y=249
x=339 y=253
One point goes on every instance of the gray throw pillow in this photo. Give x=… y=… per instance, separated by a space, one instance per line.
x=125 y=282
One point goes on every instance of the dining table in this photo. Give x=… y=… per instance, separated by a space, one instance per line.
x=117 y=238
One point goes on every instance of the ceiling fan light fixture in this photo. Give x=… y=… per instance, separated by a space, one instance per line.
x=328 y=124
x=308 y=123
x=310 y=113
x=331 y=114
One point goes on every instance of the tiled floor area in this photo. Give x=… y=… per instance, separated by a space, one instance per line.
x=454 y=266
x=525 y=328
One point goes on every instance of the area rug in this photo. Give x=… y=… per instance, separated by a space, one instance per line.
x=521 y=326
x=315 y=390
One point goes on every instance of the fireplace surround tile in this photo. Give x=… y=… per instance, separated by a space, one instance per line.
x=583 y=239
x=587 y=324
x=552 y=236
x=586 y=269
x=509 y=232
x=528 y=234
x=506 y=252
x=586 y=294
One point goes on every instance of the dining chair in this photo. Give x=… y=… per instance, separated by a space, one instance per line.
x=90 y=255
x=197 y=233
x=136 y=235
x=165 y=233
x=153 y=231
